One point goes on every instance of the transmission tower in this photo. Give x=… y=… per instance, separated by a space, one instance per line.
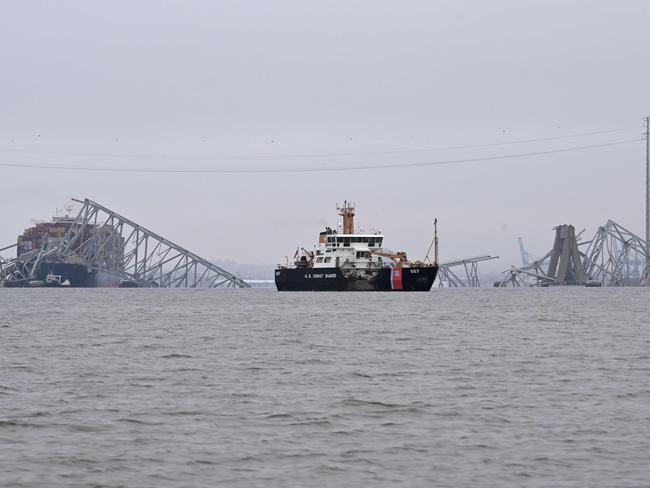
x=647 y=188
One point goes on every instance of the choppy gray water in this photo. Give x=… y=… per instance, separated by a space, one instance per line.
x=540 y=387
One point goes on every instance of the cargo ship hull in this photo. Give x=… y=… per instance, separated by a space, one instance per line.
x=77 y=275
x=72 y=271
x=415 y=278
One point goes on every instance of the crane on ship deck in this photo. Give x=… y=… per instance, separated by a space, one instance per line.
x=399 y=257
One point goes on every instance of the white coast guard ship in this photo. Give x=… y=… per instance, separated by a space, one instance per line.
x=351 y=261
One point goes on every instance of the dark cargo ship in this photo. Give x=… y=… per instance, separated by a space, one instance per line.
x=351 y=261
x=52 y=270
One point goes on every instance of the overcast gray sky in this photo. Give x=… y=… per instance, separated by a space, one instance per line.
x=207 y=84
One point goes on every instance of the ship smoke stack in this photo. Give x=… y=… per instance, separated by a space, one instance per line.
x=347 y=212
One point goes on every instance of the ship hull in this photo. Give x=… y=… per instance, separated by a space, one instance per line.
x=78 y=275
x=416 y=278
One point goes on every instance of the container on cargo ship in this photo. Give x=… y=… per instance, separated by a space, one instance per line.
x=71 y=271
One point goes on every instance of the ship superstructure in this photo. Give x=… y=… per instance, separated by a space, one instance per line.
x=354 y=261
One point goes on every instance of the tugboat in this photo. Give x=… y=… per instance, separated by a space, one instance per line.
x=351 y=261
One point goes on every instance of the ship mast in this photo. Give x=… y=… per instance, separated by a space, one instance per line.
x=347 y=212
x=435 y=242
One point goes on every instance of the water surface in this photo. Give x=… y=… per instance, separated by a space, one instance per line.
x=198 y=388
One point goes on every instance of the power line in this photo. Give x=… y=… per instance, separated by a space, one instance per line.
x=313 y=155
x=37 y=165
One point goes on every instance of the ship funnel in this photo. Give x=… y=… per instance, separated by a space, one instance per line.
x=347 y=212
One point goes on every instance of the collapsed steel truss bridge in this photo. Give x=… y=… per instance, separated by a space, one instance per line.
x=617 y=257
x=107 y=242
x=613 y=257
x=461 y=273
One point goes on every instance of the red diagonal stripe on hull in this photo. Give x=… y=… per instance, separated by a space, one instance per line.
x=396 y=278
